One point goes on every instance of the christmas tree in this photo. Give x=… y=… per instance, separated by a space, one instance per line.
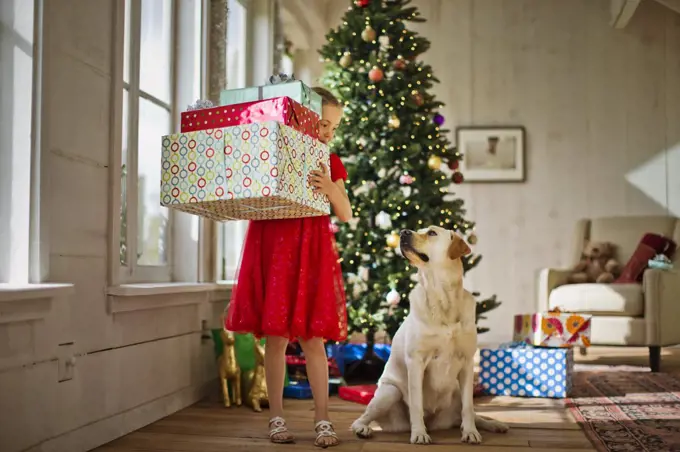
x=399 y=160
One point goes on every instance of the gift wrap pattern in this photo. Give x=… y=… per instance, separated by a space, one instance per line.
x=553 y=329
x=282 y=109
x=527 y=371
x=257 y=171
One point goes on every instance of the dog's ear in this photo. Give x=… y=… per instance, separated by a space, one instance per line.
x=458 y=248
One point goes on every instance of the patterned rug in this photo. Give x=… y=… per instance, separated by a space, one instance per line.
x=628 y=411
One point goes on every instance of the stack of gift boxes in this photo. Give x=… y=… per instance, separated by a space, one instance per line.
x=540 y=360
x=296 y=367
x=249 y=158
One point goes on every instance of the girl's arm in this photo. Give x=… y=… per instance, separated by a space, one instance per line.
x=340 y=201
x=336 y=192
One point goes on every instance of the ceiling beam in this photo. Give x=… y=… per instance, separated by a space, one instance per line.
x=671 y=4
x=622 y=11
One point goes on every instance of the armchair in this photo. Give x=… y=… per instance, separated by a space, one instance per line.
x=636 y=315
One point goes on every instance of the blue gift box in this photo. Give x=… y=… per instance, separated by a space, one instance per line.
x=345 y=354
x=297 y=390
x=302 y=390
x=527 y=371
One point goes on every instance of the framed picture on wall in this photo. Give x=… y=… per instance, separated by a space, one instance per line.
x=491 y=154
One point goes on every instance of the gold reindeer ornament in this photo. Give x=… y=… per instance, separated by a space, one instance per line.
x=254 y=383
x=229 y=370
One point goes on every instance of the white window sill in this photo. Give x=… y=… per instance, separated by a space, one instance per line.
x=138 y=297
x=17 y=292
x=29 y=302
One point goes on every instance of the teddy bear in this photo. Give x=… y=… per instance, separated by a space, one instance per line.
x=597 y=264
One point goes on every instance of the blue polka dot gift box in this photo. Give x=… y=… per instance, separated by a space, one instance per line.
x=256 y=171
x=520 y=370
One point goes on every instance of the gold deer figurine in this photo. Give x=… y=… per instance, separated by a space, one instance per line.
x=229 y=369
x=255 y=385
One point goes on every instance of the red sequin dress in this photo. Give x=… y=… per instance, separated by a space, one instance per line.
x=290 y=282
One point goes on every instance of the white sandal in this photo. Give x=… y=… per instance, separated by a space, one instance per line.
x=277 y=426
x=324 y=429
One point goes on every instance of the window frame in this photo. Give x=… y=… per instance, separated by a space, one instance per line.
x=119 y=274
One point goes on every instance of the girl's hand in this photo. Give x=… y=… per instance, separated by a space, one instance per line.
x=321 y=181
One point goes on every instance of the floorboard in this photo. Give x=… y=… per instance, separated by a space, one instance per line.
x=537 y=425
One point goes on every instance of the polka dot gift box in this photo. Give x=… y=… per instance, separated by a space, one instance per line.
x=248 y=172
x=553 y=329
x=525 y=371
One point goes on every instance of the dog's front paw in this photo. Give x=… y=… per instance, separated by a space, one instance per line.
x=498 y=427
x=471 y=436
x=362 y=430
x=420 y=437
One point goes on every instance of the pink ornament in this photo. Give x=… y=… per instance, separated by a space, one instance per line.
x=335 y=228
x=405 y=179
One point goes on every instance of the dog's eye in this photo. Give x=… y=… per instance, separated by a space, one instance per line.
x=431 y=233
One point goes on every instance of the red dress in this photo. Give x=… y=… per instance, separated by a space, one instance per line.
x=289 y=282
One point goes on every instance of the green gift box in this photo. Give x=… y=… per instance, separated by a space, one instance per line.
x=294 y=89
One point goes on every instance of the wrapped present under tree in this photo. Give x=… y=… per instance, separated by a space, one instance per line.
x=519 y=369
x=553 y=329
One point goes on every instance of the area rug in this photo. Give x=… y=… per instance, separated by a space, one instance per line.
x=628 y=411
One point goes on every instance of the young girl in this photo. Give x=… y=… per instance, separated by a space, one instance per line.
x=290 y=286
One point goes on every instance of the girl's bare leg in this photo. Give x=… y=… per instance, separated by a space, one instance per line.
x=317 y=373
x=275 y=371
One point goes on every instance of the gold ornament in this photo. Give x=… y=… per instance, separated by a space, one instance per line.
x=472 y=239
x=394 y=122
x=254 y=384
x=229 y=370
x=346 y=59
x=393 y=240
x=368 y=34
x=434 y=162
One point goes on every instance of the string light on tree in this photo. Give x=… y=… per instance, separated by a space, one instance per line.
x=394 y=122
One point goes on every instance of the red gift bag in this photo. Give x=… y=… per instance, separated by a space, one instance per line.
x=362 y=394
x=649 y=246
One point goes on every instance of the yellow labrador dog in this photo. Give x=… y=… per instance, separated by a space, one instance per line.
x=428 y=383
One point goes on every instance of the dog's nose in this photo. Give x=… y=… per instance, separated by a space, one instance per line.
x=405 y=233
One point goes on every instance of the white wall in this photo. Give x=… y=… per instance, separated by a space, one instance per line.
x=133 y=366
x=602 y=112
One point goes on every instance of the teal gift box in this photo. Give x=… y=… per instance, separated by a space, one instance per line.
x=295 y=89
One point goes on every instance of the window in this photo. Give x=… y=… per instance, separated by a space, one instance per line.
x=17 y=129
x=232 y=233
x=160 y=36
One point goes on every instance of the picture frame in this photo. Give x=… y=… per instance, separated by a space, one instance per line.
x=492 y=153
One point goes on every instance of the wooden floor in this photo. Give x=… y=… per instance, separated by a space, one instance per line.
x=536 y=425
